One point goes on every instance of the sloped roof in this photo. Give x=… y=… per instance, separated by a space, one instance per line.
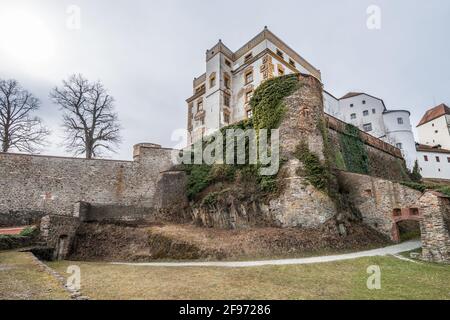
x=434 y=113
x=351 y=94
x=436 y=149
x=355 y=94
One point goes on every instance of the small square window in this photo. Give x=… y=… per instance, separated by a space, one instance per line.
x=364 y=102
x=226 y=100
x=353 y=116
x=227 y=82
x=228 y=63
x=248 y=57
x=249 y=77
x=292 y=63
x=352 y=105
x=425 y=158
x=365 y=113
x=368 y=127
x=199 y=106
x=374 y=111
x=438 y=159
x=248 y=96
x=279 y=53
x=436 y=131
x=448 y=159
x=400 y=120
x=399 y=146
x=212 y=82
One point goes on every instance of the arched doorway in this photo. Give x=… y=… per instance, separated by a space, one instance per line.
x=406 y=224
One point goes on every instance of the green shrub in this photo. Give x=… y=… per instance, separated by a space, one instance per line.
x=28 y=232
x=415 y=174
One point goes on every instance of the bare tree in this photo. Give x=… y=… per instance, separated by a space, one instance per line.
x=89 y=119
x=19 y=130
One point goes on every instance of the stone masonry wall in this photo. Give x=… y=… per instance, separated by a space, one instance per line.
x=31 y=186
x=385 y=160
x=300 y=204
x=435 y=209
x=376 y=199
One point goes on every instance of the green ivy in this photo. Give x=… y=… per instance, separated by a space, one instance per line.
x=354 y=151
x=316 y=173
x=422 y=187
x=267 y=102
x=268 y=109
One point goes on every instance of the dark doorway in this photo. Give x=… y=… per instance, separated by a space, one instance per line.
x=409 y=230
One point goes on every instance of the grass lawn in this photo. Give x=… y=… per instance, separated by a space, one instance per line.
x=337 y=280
x=21 y=279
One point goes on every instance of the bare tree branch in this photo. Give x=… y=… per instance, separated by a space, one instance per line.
x=19 y=130
x=89 y=119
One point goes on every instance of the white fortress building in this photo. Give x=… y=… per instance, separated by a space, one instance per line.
x=221 y=95
x=433 y=148
x=370 y=114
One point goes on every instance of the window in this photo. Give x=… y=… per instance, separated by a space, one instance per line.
x=249 y=77
x=228 y=63
x=248 y=57
x=292 y=63
x=280 y=70
x=425 y=158
x=279 y=53
x=212 y=81
x=399 y=146
x=438 y=159
x=436 y=131
x=400 y=120
x=352 y=105
x=365 y=113
x=226 y=118
x=364 y=102
x=200 y=106
x=367 y=127
x=248 y=96
x=226 y=100
x=374 y=111
x=448 y=159
x=227 y=82
x=249 y=114
x=199 y=89
x=353 y=116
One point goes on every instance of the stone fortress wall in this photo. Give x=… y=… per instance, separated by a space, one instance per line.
x=32 y=186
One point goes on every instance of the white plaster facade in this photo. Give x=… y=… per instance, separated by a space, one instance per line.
x=221 y=95
x=434 y=164
x=434 y=129
x=370 y=114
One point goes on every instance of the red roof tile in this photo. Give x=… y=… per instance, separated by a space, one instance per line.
x=434 y=113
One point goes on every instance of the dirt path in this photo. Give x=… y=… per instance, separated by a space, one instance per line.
x=392 y=250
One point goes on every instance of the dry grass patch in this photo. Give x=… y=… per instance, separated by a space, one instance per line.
x=21 y=279
x=339 y=280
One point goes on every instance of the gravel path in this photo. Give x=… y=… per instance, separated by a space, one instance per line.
x=392 y=250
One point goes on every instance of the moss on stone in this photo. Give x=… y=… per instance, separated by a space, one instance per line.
x=354 y=151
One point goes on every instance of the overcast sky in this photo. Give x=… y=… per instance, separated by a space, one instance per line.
x=147 y=52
